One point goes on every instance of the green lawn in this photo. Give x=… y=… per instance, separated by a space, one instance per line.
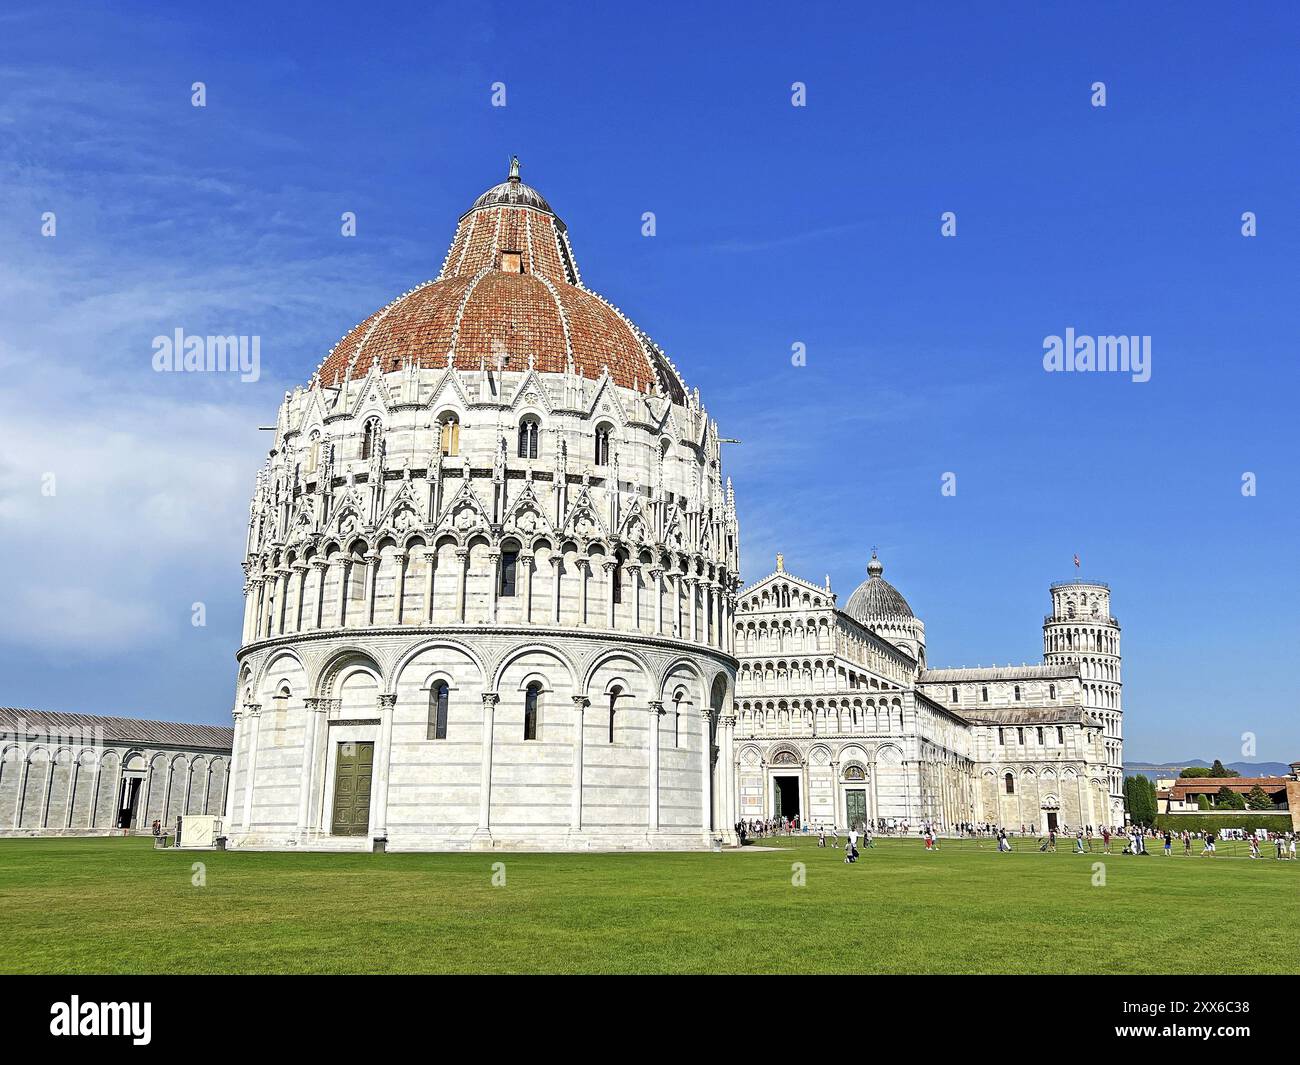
x=116 y=905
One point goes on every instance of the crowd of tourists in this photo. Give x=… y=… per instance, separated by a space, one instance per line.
x=1130 y=839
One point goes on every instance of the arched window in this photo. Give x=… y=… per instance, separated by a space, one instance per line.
x=509 y=571
x=1051 y=691
x=984 y=694
x=370 y=438
x=1010 y=784
x=1017 y=693
x=532 y=699
x=449 y=441
x=613 y=707
x=602 y=445
x=678 y=696
x=616 y=577
x=955 y=695
x=529 y=430
x=438 y=699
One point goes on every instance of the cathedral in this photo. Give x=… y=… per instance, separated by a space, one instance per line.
x=841 y=721
x=492 y=601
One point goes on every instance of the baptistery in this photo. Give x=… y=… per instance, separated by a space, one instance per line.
x=490 y=575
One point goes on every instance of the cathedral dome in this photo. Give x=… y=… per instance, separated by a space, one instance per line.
x=513 y=193
x=876 y=597
x=509 y=288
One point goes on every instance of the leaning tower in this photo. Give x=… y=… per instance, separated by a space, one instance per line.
x=1081 y=629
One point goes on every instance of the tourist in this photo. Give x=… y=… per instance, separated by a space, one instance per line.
x=1169 y=844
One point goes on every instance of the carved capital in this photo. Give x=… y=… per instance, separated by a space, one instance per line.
x=656 y=707
x=387 y=702
x=580 y=703
x=253 y=709
x=317 y=706
x=490 y=699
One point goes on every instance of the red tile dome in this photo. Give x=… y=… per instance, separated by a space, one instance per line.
x=509 y=285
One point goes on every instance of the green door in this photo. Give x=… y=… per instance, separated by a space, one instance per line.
x=855 y=805
x=352 y=789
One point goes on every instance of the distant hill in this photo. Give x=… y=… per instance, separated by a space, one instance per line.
x=1172 y=769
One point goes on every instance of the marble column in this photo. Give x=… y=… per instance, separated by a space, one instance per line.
x=383 y=764
x=835 y=795
x=580 y=704
x=315 y=722
x=345 y=569
x=229 y=812
x=372 y=586
x=494 y=589
x=482 y=838
x=300 y=568
x=526 y=576
x=657 y=575
x=320 y=565
x=557 y=561
x=94 y=789
x=652 y=805
x=462 y=557
x=706 y=774
x=727 y=779
x=634 y=576
x=430 y=572
x=584 y=568
x=691 y=583
x=677 y=606
x=611 y=575
x=254 y=712
x=400 y=557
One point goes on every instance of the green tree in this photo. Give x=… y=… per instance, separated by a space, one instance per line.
x=1220 y=770
x=1203 y=802
x=1140 y=799
x=1258 y=799
x=1193 y=771
x=1227 y=799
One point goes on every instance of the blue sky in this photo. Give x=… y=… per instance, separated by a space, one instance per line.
x=775 y=225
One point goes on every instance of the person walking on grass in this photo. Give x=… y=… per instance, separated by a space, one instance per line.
x=1169 y=844
x=1105 y=841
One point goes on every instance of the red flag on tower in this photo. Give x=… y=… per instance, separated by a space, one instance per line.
x=1076 y=561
